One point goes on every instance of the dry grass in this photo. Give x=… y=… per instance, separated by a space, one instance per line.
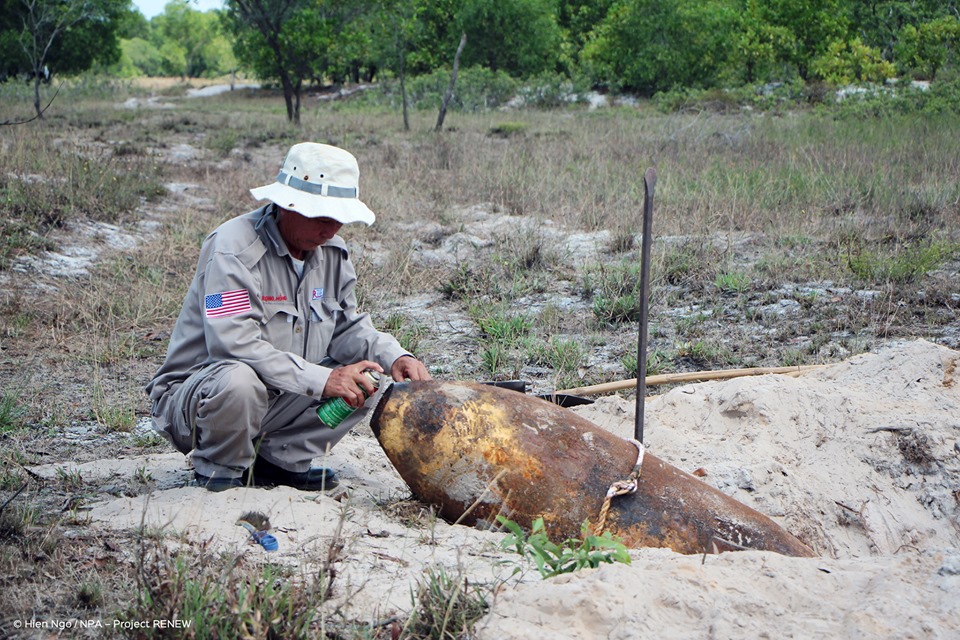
x=775 y=240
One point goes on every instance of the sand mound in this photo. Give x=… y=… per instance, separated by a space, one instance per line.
x=858 y=459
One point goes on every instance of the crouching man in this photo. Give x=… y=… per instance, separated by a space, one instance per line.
x=269 y=329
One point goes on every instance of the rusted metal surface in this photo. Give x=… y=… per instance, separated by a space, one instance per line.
x=476 y=451
x=674 y=509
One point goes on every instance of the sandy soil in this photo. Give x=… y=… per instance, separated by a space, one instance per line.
x=859 y=459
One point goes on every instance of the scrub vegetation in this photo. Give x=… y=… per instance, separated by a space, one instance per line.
x=506 y=246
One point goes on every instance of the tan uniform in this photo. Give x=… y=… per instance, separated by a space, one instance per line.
x=253 y=348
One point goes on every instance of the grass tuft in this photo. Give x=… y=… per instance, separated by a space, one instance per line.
x=445 y=607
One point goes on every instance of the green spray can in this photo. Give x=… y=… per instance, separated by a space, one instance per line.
x=335 y=410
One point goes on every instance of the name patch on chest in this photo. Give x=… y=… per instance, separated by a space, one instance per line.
x=280 y=298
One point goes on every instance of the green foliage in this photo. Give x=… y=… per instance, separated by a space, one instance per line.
x=499 y=324
x=901 y=264
x=812 y=25
x=67 y=37
x=138 y=57
x=478 y=89
x=550 y=90
x=11 y=412
x=658 y=361
x=758 y=45
x=926 y=47
x=704 y=353
x=571 y=555
x=847 y=62
x=407 y=331
x=616 y=292
x=940 y=98
x=735 y=282
x=519 y=37
x=651 y=47
x=293 y=43
x=564 y=355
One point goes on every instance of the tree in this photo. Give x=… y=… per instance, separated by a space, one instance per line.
x=190 y=41
x=434 y=35
x=655 y=45
x=265 y=41
x=758 y=44
x=847 y=62
x=294 y=41
x=925 y=48
x=521 y=37
x=396 y=27
x=60 y=35
x=139 y=57
x=879 y=23
x=814 y=25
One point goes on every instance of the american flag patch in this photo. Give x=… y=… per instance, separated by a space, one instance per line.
x=227 y=303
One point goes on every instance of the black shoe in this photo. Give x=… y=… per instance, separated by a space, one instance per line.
x=218 y=484
x=266 y=474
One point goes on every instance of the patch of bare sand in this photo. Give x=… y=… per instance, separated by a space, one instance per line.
x=858 y=459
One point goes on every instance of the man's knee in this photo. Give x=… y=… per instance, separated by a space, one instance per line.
x=232 y=377
x=232 y=391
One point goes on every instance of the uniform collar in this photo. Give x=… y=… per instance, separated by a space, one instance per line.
x=267 y=227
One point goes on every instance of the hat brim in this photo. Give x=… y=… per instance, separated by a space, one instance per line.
x=343 y=210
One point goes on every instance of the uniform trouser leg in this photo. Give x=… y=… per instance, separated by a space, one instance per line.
x=227 y=417
x=293 y=435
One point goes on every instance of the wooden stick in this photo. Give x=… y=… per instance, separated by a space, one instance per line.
x=693 y=376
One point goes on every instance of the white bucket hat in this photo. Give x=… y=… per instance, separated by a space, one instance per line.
x=318 y=181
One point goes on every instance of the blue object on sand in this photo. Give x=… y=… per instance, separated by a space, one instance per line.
x=266 y=540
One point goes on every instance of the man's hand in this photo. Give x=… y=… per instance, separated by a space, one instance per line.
x=408 y=368
x=348 y=382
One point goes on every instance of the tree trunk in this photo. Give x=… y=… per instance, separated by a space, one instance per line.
x=36 y=94
x=403 y=93
x=288 y=95
x=296 y=110
x=453 y=80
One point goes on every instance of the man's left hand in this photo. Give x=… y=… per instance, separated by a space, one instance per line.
x=408 y=368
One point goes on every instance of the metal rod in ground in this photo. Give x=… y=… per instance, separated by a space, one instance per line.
x=649 y=181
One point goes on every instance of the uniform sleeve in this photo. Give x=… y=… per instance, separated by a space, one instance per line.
x=232 y=319
x=355 y=337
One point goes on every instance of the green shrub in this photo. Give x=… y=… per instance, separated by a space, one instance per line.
x=902 y=264
x=551 y=90
x=616 y=292
x=11 y=412
x=571 y=555
x=508 y=129
x=733 y=283
x=477 y=89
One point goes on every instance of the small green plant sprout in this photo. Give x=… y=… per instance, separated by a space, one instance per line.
x=572 y=555
x=732 y=283
x=658 y=361
x=11 y=412
x=143 y=475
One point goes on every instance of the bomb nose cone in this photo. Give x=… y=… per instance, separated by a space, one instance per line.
x=378 y=411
